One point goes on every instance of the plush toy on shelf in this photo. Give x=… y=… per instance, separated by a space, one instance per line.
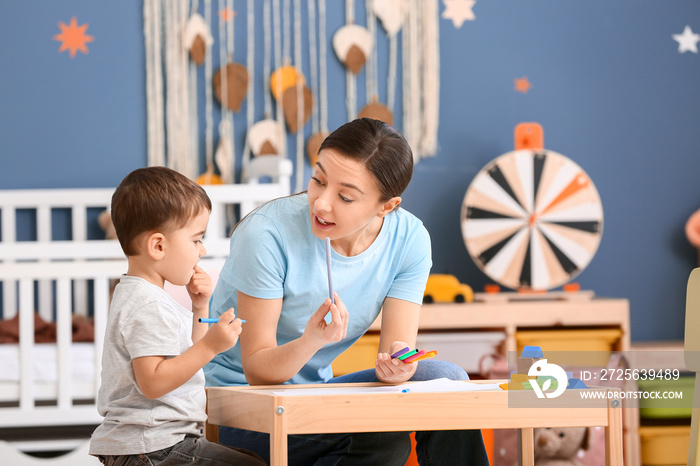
x=560 y=446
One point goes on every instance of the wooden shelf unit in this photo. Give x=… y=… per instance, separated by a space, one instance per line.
x=515 y=315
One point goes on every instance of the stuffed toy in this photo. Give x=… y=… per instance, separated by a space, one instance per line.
x=105 y=222
x=559 y=446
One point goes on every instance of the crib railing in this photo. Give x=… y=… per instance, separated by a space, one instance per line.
x=65 y=407
x=41 y=206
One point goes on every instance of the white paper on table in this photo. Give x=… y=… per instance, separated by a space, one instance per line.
x=429 y=386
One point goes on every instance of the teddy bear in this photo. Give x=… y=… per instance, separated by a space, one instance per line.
x=559 y=446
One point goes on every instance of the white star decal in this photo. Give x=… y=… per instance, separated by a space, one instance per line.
x=458 y=11
x=688 y=41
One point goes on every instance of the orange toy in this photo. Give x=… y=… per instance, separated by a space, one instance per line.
x=692 y=231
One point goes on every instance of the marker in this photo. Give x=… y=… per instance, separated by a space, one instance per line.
x=208 y=320
x=406 y=355
x=414 y=356
x=400 y=352
x=427 y=355
x=328 y=264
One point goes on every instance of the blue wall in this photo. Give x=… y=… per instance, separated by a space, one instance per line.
x=609 y=87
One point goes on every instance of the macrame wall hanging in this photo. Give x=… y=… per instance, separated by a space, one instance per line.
x=374 y=108
x=182 y=37
x=319 y=79
x=170 y=138
x=265 y=137
x=421 y=77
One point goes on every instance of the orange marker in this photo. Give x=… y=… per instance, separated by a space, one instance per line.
x=426 y=355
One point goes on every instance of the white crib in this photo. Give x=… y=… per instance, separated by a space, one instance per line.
x=54 y=385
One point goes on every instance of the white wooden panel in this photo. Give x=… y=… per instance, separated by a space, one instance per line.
x=26 y=343
x=9 y=291
x=64 y=338
x=43 y=233
x=79 y=225
x=101 y=302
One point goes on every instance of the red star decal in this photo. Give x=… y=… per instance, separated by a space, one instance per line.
x=227 y=14
x=73 y=37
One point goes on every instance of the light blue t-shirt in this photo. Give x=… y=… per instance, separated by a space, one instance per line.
x=274 y=255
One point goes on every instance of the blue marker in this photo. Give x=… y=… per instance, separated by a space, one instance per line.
x=328 y=264
x=207 y=320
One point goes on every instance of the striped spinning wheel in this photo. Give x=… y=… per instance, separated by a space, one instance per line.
x=532 y=219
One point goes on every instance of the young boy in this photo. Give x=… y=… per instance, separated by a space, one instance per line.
x=152 y=394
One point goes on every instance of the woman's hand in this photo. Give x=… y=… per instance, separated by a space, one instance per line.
x=393 y=370
x=319 y=332
x=200 y=288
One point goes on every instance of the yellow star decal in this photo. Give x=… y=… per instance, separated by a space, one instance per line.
x=73 y=37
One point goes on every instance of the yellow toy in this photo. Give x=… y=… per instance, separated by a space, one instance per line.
x=445 y=288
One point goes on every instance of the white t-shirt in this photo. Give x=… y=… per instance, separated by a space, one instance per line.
x=144 y=321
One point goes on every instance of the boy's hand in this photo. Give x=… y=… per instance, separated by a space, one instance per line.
x=319 y=331
x=223 y=334
x=199 y=288
x=393 y=370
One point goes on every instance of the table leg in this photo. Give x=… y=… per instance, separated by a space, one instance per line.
x=278 y=448
x=526 y=446
x=613 y=435
x=278 y=438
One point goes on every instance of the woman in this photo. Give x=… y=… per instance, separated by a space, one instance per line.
x=276 y=274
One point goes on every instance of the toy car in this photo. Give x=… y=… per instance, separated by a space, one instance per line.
x=445 y=288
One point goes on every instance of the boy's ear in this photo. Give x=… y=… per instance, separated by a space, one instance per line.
x=389 y=206
x=155 y=245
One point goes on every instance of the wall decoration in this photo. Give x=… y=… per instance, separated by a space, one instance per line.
x=226 y=14
x=230 y=84
x=169 y=103
x=266 y=137
x=73 y=37
x=200 y=51
x=352 y=44
x=179 y=38
x=459 y=11
x=522 y=84
x=374 y=108
x=197 y=38
x=391 y=13
x=532 y=219
x=281 y=59
x=318 y=66
x=299 y=105
x=687 y=41
x=421 y=78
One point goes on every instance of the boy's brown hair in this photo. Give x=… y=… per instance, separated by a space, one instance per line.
x=153 y=199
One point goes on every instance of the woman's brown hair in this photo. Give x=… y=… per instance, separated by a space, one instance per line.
x=380 y=148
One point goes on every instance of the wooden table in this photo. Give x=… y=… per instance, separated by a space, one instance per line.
x=527 y=313
x=272 y=409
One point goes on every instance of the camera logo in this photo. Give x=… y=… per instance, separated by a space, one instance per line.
x=542 y=368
